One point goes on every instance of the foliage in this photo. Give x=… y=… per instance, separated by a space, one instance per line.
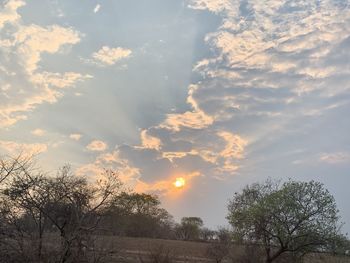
x=189 y=229
x=296 y=217
x=138 y=215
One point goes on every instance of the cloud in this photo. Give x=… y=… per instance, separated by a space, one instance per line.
x=195 y=119
x=128 y=174
x=132 y=176
x=21 y=49
x=166 y=187
x=58 y=80
x=97 y=8
x=13 y=148
x=33 y=40
x=150 y=142
x=97 y=146
x=38 y=132
x=216 y=6
x=8 y=12
x=109 y=56
x=335 y=157
x=233 y=151
x=272 y=63
x=153 y=165
x=275 y=67
x=75 y=136
x=272 y=60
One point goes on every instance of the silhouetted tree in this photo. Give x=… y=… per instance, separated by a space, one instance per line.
x=138 y=215
x=31 y=203
x=190 y=228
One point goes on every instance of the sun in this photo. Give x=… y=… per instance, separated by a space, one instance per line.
x=179 y=182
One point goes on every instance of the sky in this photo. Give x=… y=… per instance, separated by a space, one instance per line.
x=221 y=93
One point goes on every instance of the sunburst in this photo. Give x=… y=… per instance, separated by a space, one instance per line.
x=179 y=182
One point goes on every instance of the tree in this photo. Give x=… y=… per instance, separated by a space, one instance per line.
x=220 y=249
x=190 y=228
x=224 y=234
x=10 y=166
x=32 y=204
x=207 y=234
x=295 y=217
x=138 y=215
x=21 y=203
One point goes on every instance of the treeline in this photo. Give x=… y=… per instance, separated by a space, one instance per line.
x=45 y=218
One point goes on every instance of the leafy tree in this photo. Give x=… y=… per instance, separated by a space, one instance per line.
x=207 y=234
x=190 y=228
x=138 y=215
x=220 y=249
x=295 y=217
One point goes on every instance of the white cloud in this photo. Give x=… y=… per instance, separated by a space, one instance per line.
x=335 y=157
x=263 y=59
x=128 y=174
x=97 y=8
x=58 y=80
x=14 y=148
x=23 y=46
x=33 y=40
x=8 y=12
x=216 y=6
x=97 y=146
x=109 y=56
x=38 y=132
x=75 y=136
x=272 y=45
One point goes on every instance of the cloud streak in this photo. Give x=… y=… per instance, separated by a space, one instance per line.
x=108 y=56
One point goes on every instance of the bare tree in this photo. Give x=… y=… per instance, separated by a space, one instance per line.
x=31 y=203
x=10 y=166
x=74 y=207
x=22 y=201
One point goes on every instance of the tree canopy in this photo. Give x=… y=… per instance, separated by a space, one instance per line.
x=295 y=217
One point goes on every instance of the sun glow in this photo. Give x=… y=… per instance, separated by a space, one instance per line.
x=179 y=182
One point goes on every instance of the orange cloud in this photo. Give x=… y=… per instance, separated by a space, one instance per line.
x=150 y=142
x=196 y=119
x=166 y=187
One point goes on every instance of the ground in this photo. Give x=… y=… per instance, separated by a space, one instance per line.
x=158 y=250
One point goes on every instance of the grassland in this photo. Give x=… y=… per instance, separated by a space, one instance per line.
x=158 y=250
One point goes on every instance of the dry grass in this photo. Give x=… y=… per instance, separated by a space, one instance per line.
x=108 y=249
x=134 y=249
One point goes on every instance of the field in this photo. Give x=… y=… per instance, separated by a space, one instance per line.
x=157 y=250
